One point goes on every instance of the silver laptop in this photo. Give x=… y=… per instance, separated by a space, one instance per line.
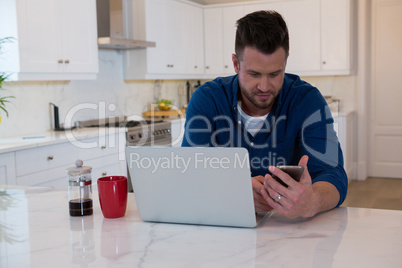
x=193 y=185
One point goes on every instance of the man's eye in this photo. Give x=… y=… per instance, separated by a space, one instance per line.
x=254 y=74
x=274 y=75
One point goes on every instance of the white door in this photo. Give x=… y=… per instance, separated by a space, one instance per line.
x=79 y=36
x=335 y=35
x=193 y=42
x=230 y=16
x=7 y=169
x=175 y=37
x=213 y=41
x=156 y=25
x=304 y=35
x=40 y=27
x=386 y=109
x=197 y=40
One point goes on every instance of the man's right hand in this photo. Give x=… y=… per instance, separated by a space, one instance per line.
x=259 y=202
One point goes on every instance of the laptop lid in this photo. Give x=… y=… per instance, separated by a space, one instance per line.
x=192 y=185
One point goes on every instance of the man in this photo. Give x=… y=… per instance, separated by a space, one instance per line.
x=279 y=118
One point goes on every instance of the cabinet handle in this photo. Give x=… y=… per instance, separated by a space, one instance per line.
x=195 y=67
x=104 y=173
x=324 y=62
x=226 y=66
x=67 y=61
x=206 y=67
x=50 y=157
x=103 y=147
x=60 y=61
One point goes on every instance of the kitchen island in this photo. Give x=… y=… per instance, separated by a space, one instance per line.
x=37 y=231
x=42 y=159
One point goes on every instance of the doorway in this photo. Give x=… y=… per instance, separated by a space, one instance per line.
x=385 y=125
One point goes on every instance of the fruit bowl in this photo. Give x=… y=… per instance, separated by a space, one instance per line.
x=164 y=105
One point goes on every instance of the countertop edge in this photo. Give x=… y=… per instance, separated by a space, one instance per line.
x=51 y=137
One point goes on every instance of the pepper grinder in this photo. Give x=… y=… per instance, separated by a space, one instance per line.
x=80 y=189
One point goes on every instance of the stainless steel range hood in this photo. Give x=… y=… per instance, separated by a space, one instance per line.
x=111 y=17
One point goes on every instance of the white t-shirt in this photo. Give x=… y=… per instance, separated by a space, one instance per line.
x=253 y=124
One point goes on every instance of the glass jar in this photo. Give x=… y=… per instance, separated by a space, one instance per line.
x=80 y=189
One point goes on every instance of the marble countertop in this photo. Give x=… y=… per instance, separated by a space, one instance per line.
x=53 y=137
x=37 y=231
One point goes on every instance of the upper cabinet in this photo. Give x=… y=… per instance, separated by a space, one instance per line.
x=220 y=31
x=57 y=39
x=304 y=31
x=336 y=32
x=319 y=32
x=195 y=39
x=177 y=29
x=54 y=39
x=213 y=34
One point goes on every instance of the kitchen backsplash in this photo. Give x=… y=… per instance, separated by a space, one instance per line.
x=111 y=95
x=30 y=112
x=339 y=87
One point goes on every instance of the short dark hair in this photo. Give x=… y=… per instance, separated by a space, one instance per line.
x=263 y=30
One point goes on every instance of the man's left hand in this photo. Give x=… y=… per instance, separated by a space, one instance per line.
x=298 y=200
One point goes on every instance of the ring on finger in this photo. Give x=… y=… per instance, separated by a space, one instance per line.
x=278 y=198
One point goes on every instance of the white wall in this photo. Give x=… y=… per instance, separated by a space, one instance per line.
x=339 y=87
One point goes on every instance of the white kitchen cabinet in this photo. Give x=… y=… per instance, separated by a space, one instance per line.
x=7 y=168
x=319 y=34
x=54 y=39
x=45 y=158
x=47 y=165
x=161 y=18
x=106 y=166
x=320 y=42
x=336 y=28
x=176 y=28
x=230 y=17
x=220 y=31
x=104 y=158
x=213 y=42
x=303 y=20
x=304 y=35
x=194 y=40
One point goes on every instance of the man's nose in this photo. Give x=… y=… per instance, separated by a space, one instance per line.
x=264 y=84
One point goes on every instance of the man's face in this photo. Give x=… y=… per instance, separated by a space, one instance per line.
x=260 y=79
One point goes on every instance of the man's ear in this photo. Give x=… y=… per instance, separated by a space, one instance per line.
x=236 y=63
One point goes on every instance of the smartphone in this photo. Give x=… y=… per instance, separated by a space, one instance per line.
x=293 y=171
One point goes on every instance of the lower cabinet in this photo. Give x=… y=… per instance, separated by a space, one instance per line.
x=7 y=168
x=47 y=165
x=344 y=125
x=106 y=166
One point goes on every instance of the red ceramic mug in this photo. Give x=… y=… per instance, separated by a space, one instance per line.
x=113 y=196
